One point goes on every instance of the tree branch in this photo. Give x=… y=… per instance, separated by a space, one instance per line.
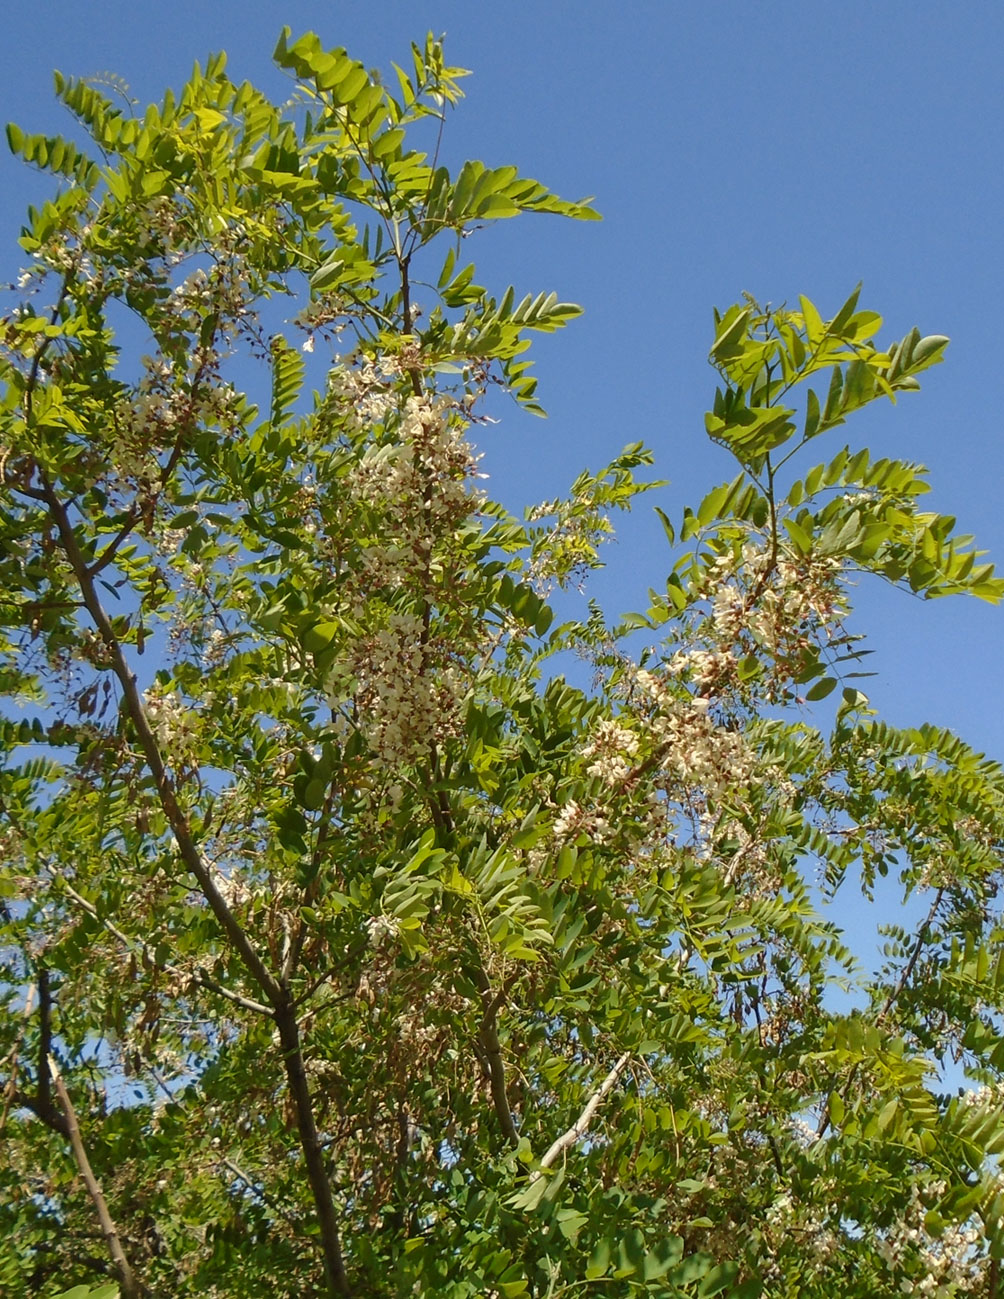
x=256 y=1189
x=491 y=1047
x=282 y=1009
x=580 y=1127
x=176 y=819
x=200 y=976
x=10 y=1092
x=130 y=1288
x=890 y=1001
x=43 y=1107
x=910 y=966
x=310 y=1143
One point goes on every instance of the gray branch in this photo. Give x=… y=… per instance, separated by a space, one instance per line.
x=581 y=1125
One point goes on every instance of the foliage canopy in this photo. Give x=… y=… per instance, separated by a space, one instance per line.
x=347 y=948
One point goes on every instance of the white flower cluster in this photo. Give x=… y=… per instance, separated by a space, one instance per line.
x=164 y=402
x=949 y=1261
x=365 y=392
x=802 y=595
x=792 y=595
x=162 y=220
x=990 y=1098
x=215 y=648
x=174 y=725
x=935 y=1266
x=426 y=470
x=412 y=484
x=611 y=747
x=698 y=752
x=573 y=820
x=381 y=930
x=818 y=1243
x=233 y=888
x=194 y=291
x=728 y=609
x=750 y=864
x=709 y=669
x=413 y=1032
x=129 y=455
x=408 y=703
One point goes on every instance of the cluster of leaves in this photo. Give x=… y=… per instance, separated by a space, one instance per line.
x=346 y=949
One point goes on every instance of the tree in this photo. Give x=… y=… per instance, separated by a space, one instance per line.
x=348 y=949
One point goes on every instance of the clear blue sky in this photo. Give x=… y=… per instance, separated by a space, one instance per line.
x=779 y=148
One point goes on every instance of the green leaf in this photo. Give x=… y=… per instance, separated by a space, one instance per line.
x=530 y=1197
x=320 y=636
x=599 y=1260
x=731 y=329
x=718 y=1279
x=543 y=620
x=109 y=1291
x=814 y=328
x=287 y=379
x=667 y=526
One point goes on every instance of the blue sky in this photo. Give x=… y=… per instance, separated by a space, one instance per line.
x=780 y=148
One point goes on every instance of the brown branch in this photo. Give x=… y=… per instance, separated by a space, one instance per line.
x=110 y=551
x=310 y=1142
x=52 y=1119
x=276 y=994
x=910 y=966
x=44 y=1108
x=40 y=1104
x=329 y=974
x=491 y=1051
x=580 y=1127
x=130 y=1288
x=134 y=515
x=294 y=947
x=10 y=1091
x=176 y=819
x=646 y=765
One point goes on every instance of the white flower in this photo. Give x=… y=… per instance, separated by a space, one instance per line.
x=568 y=820
x=611 y=746
x=380 y=929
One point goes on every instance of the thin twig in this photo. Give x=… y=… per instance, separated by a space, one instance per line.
x=256 y=1188
x=329 y=974
x=890 y=1001
x=10 y=1089
x=909 y=967
x=199 y=976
